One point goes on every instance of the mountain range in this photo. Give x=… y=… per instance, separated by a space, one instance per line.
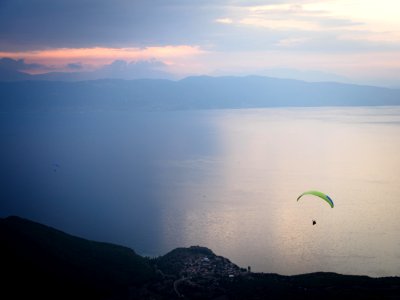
x=202 y=92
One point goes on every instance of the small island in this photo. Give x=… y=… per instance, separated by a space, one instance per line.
x=42 y=262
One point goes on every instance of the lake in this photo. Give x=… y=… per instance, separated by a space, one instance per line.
x=224 y=179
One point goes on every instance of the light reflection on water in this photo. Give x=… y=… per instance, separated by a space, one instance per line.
x=268 y=157
x=224 y=179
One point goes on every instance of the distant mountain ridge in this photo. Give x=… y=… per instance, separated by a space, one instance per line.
x=200 y=92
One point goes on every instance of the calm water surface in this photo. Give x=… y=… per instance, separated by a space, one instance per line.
x=224 y=179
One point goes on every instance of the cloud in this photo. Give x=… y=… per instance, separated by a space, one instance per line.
x=293 y=17
x=20 y=65
x=39 y=24
x=152 y=62
x=304 y=26
x=196 y=36
x=228 y=25
x=10 y=64
x=224 y=21
x=120 y=69
x=133 y=70
x=291 y=42
x=101 y=55
x=75 y=66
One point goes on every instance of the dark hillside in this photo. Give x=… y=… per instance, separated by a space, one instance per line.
x=39 y=262
x=36 y=260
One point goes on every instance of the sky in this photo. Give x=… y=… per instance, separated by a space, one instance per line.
x=343 y=40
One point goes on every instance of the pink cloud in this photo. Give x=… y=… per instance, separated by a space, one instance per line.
x=99 y=56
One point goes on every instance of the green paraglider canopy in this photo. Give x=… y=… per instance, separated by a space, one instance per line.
x=318 y=194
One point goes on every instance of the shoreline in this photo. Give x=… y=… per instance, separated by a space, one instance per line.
x=43 y=259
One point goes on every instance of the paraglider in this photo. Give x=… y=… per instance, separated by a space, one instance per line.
x=320 y=195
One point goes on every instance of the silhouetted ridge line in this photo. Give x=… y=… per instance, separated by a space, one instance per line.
x=38 y=261
x=190 y=93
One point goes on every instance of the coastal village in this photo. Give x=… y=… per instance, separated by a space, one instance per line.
x=205 y=271
x=214 y=266
x=198 y=270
